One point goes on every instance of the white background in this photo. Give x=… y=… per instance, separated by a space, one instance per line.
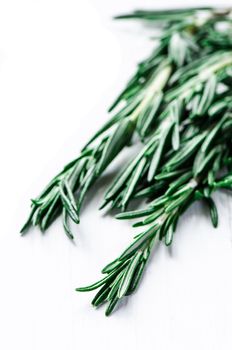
x=61 y=65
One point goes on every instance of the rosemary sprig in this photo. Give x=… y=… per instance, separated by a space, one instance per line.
x=163 y=213
x=140 y=102
x=66 y=192
x=179 y=104
x=145 y=102
x=167 y=16
x=198 y=108
x=124 y=273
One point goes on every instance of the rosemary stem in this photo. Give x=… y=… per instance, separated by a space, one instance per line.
x=157 y=84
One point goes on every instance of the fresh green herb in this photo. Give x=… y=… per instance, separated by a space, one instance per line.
x=182 y=159
x=164 y=212
x=66 y=192
x=179 y=103
x=139 y=106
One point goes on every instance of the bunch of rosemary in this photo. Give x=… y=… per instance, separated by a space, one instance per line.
x=179 y=103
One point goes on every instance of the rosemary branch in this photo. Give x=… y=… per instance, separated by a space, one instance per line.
x=199 y=161
x=66 y=192
x=142 y=99
x=162 y=215
x=179 y=104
